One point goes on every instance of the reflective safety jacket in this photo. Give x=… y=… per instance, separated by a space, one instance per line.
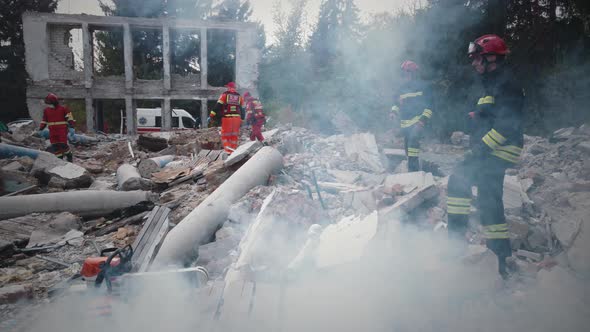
x=497 y=127
x=230 y=104
x=255 y=113
x=57 y=120
x=413 y=104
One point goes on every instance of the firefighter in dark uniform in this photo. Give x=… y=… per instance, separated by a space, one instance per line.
x=496 y=144
x=413 y=107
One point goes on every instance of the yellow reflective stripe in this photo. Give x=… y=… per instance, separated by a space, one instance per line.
x=490 y=142
x=498 y=231
x=413 y=152
x=496 y=227
x=458 y=210
x=511 y=149
x=43 y=122
x=497 y=136
x=395 y=109
x=451 y=203
x=410 y=95
x=459 y=200
x=231 y=115
x=427 y=113
x=409 y=123
x=486 y=100
x=56 y=123
x=506 y=156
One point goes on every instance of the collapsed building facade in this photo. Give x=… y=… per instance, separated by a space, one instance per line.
x=51 y=67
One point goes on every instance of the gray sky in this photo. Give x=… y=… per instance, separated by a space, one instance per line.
x=262 y=9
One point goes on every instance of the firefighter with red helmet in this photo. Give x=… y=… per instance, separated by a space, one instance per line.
x=496 y=144
x=413 y=108
x=230 y=109
x=59 y=120
x=255 y=116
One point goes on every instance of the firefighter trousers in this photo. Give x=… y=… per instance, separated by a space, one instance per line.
x=488 y=175
x=230 y=133
x=61 y=150
x=257 y=133
x=412 y=147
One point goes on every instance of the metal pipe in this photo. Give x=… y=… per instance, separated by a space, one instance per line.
x=9 y=151
x=85 y=203
x=182 y=242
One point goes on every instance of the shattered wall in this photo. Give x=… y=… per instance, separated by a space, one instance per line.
x=52 y=66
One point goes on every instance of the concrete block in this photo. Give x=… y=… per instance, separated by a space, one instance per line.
x=15 y=293
x=514 y=196
x=566 y=230
x=346 y=240
x=242 y=152
x=348 y=177
x=530 y=255
x=269 y=134
x=363 y=149
x=410 y=181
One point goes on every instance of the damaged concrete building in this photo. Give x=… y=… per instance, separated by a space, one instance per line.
x=51 y=65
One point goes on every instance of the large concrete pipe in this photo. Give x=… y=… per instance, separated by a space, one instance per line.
x=149 y=166
x=85 y=203
x=182 y=242
x=9 y=151
x=128 y=178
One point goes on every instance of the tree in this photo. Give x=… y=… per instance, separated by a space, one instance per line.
x=13 y=74
x=338 y=26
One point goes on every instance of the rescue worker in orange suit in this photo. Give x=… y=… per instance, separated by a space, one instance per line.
x=413 y=108
x=59 y=120
x=496 y=144
x=230 y=109
x=255 y=116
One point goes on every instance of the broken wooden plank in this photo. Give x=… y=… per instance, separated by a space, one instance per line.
x=121 y=223
x=149 y=238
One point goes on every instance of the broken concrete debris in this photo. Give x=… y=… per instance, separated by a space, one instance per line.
x=149 y=166
x=241 y=152
x=128 y=178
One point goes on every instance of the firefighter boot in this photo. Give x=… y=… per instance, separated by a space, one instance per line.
x=502 y=249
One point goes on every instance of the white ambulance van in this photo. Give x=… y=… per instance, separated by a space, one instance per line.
x=150 y=119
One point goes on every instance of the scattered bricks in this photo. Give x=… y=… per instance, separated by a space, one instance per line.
x=15 y=293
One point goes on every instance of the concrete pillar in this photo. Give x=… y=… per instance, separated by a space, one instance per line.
x=87 y=55
x=204 y=113
x=131 y=115
x=90 y=116
x=166 y=55
x=203 y=65
x=128 y=56
x=166 y=115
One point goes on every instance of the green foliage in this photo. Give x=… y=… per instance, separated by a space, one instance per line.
x=12 y=55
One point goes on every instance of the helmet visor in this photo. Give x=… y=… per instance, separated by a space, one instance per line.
x=474 y=49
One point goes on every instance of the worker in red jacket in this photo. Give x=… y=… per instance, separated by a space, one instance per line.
x=255 y=116
x=230 y=108
x=59 y=120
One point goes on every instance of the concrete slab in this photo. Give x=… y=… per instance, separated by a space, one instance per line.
x=346 y=240
x=363 y=148
x=242 y=152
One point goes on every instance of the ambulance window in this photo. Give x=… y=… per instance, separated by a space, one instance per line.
x=158 y=121
x=188 y=122
x=175 y=122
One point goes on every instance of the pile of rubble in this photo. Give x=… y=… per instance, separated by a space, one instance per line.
x=334 y=197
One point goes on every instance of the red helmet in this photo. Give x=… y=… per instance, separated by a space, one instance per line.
x=410 y=66
x=488 y=44
x=230 y=85
x=51 y=99
x=247 y=95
